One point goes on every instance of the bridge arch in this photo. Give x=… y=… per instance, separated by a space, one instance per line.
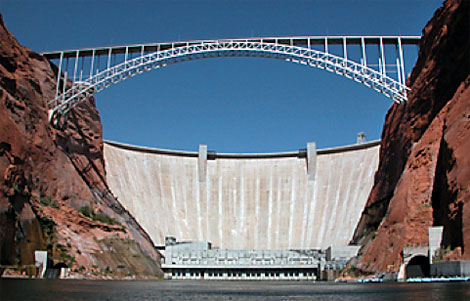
x=358 y=71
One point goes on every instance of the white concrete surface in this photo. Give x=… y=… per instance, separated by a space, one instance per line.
x=257 y=203
x=435 y=239
x=40 y=258
x=341 y=252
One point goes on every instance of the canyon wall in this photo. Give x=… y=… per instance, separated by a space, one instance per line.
x=424 y=171
x=244 y=203
x=53 y=193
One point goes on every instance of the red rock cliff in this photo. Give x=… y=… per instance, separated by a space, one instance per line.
x=424 y=171
x=53 y=193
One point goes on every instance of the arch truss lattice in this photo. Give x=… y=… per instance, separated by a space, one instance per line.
x=85 y=72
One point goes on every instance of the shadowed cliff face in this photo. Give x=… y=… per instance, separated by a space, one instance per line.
x=424 y=172
x=53 y=193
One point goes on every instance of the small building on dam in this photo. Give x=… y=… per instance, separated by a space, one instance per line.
x=301 y=202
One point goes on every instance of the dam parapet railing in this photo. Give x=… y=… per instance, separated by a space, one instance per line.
x=212 y=155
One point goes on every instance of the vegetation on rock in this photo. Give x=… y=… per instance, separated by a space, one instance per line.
x=98 y=217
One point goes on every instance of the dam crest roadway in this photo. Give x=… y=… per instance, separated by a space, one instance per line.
x=85 y=72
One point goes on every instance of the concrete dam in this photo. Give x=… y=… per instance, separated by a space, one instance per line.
x=310 y=199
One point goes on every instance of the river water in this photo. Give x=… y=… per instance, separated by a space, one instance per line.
x=22 y=289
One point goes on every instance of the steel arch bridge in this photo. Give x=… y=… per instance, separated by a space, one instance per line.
x=85 y=72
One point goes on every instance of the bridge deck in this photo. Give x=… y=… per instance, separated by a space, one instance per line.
x=294 y=41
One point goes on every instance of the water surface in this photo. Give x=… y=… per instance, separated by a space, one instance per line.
x=22 y=289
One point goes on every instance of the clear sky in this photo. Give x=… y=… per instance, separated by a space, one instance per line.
x=230 y=104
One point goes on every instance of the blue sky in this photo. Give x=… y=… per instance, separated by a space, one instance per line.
x=231 y=104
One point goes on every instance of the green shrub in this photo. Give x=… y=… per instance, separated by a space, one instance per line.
x=47 y=225
x=101 y=217
x=86 y=211
x=47 y=201
x=439 y=253
x=60 y=247
x=67 y=258
x=98 y=217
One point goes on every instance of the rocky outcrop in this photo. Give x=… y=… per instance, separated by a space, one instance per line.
x=424 y=171
x=53 y=192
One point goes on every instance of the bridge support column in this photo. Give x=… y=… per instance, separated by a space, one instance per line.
x=402 y=62
x=311 y=160
x=58 y=76
x=202 y=162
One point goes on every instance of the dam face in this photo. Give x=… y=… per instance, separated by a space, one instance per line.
x=245 y=203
